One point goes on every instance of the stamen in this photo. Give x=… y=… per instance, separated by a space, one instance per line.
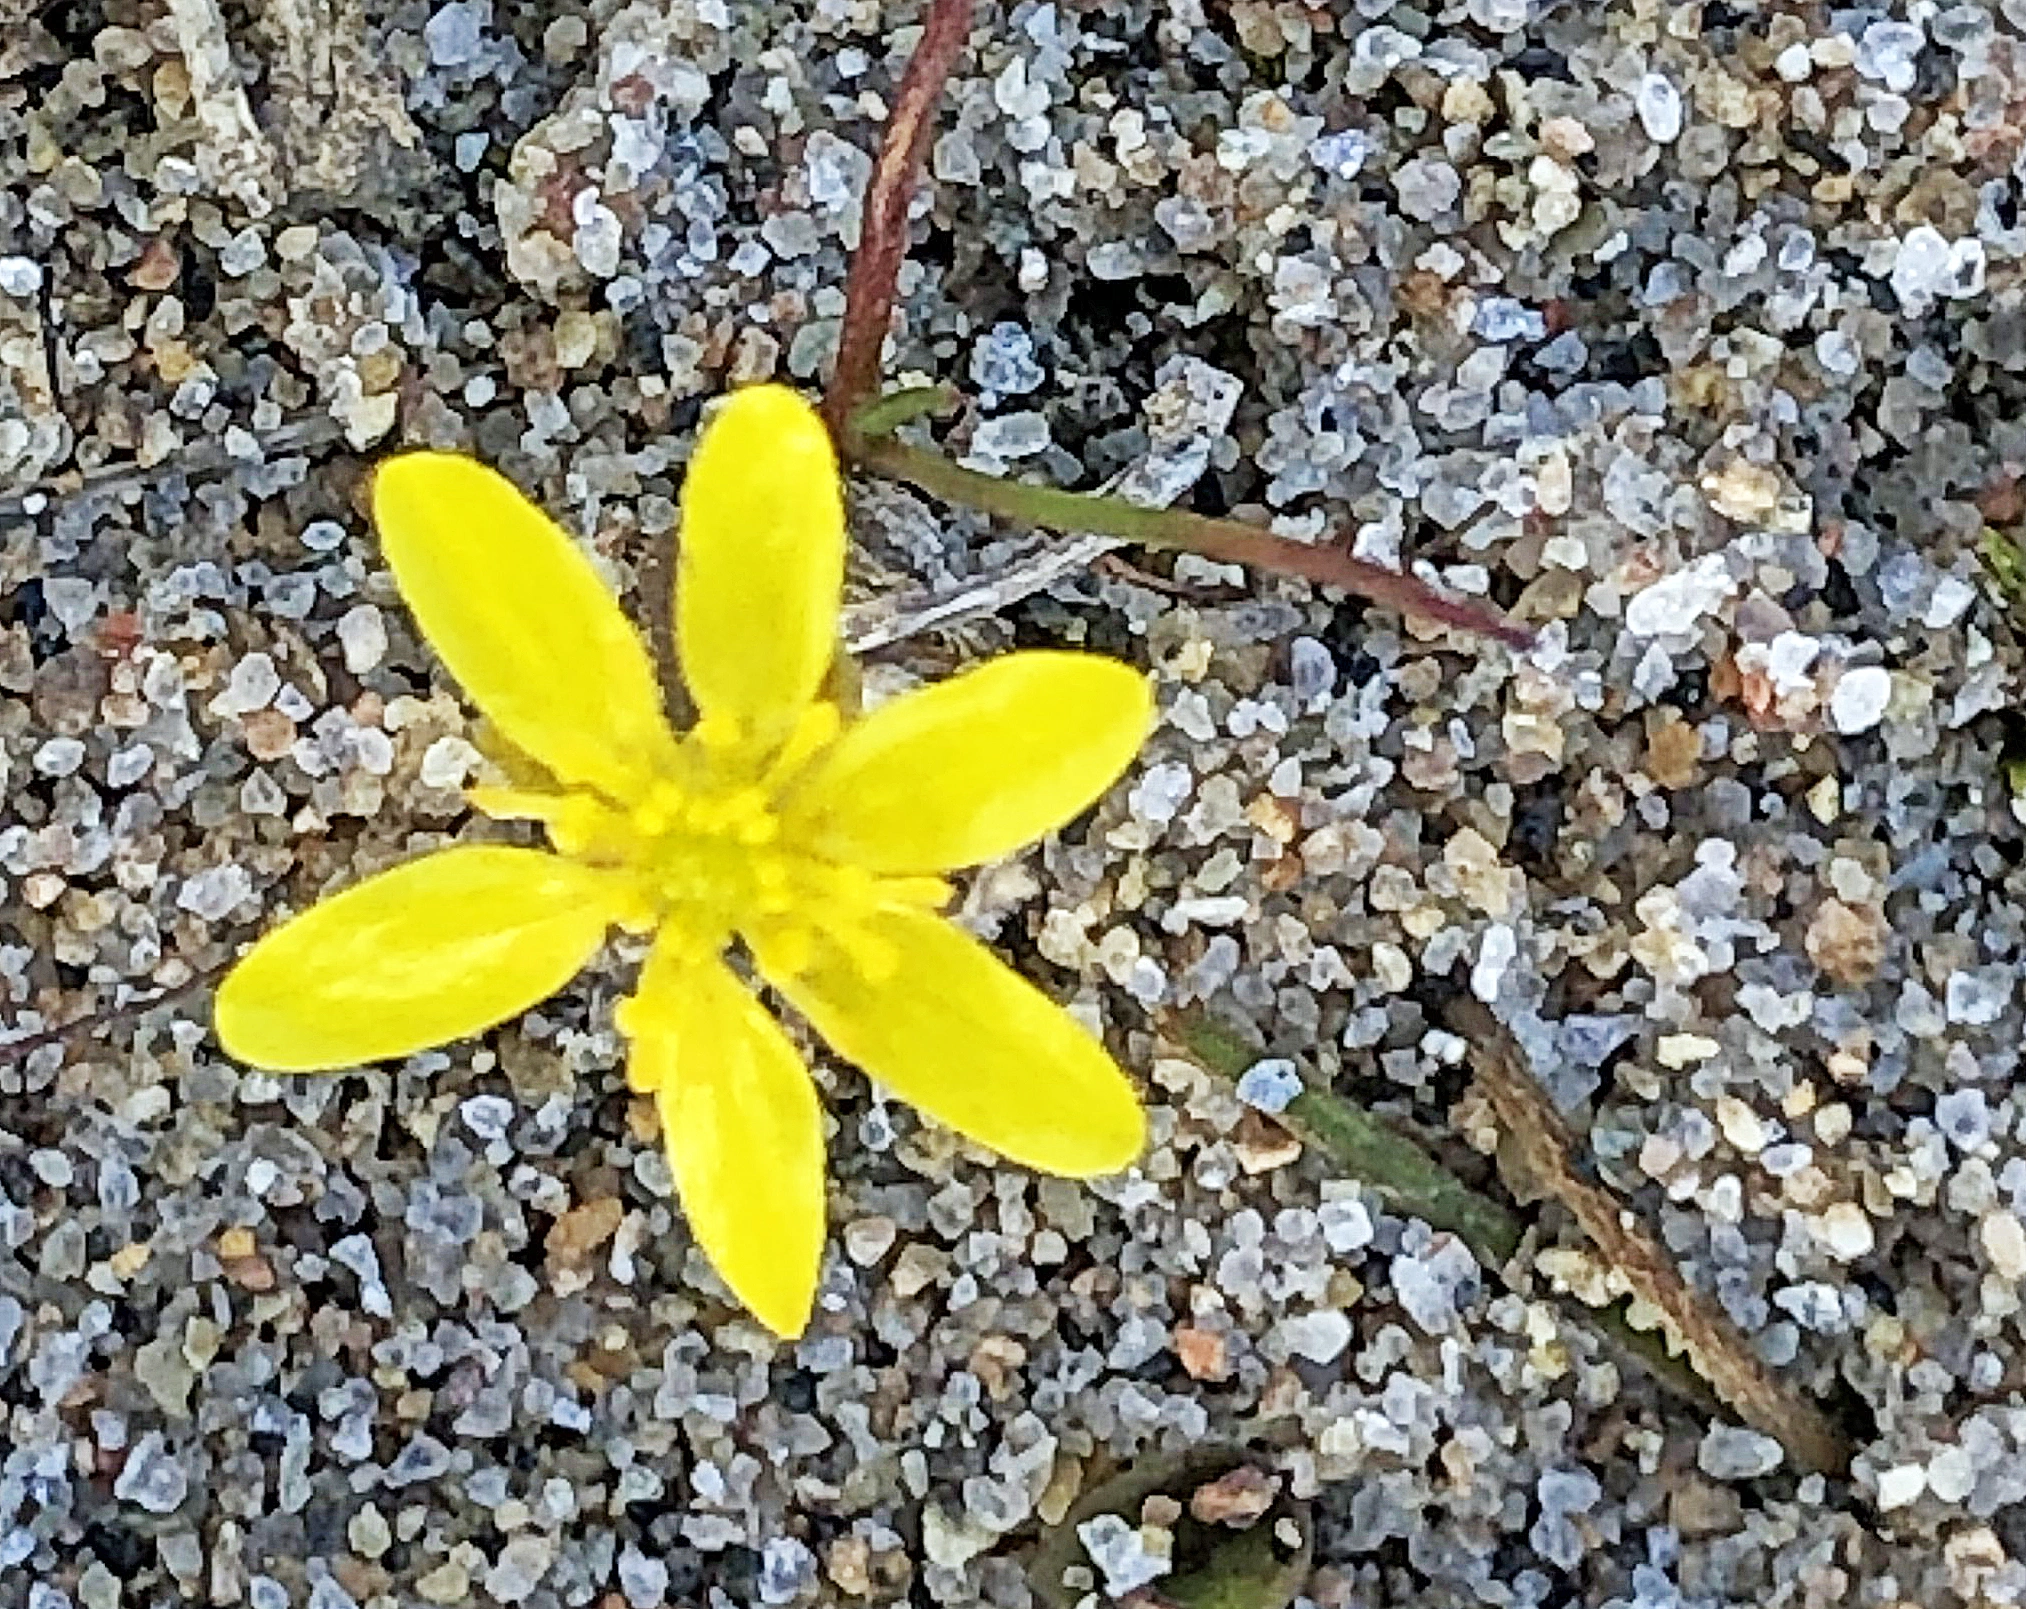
x=773 y=890
x=718 y=732
x=699 y=848
x=661 y=810
x=874 y=960
x=579 y=823
x=784 y=949
x=641 y=915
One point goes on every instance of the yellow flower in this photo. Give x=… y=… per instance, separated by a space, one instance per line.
x=815 y=843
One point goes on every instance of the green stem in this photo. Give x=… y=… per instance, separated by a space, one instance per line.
x=1224 y=541
x=1367 y=1149
x=882 y=416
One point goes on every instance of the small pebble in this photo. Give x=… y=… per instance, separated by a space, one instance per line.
x=1901 y=1485
x=1659 y=106
x=2004 y=1241
x=1270 y=1086
x=1860 y=699
x=152 y=1477
x=1730 y=1452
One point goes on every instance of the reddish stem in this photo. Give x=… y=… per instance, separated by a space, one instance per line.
x=870 y=282
x=1225 y=541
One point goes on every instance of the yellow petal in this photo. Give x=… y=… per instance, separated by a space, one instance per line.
x=429 y=952
x=744 y=1131
x=761 y=569
x=952 y=1030
x=537 y=641
x=972 y=768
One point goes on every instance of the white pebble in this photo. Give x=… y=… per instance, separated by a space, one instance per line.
x=72 y=599
x=1320 y=1336
x=1160 y=792
x=243 y=253
x=1659 y=104
x=1846 y=1231
x=20 y=277
x=1838 y=352
x=375 y=750
x=598 y=239
x=1010 y=435
x=1929 y=265
x=1730 y=1452
x=129 y=765
x=447 y=762
x=59 y=757
x=1494 y=957
x=251 y=686
x=951 y=1541
x=1673 y=604
x=1859 y=701
x=487 y=1116
x=457 y=32
x=1427 y=188
x=1270 y=1085
x=214 y=893
x=1901 y=1485
x=1128 y=1557
x=1312 y=669
x=1346 y=1225
x=1952 y=599
x=362 y=633
x=1430 y=1287
x=1889 y=54
x=2004 y=1240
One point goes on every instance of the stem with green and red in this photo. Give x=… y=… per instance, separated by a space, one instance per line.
x=1225 y=541
x=863 y=420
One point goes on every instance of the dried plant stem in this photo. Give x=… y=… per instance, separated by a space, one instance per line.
x=1413 y=1181
x=1225 y=541
x=1539 y=1146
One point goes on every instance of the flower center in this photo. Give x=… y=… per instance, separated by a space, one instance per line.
x=706 y=852
x=710 y=861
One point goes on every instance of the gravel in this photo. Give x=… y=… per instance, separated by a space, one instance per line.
x=1693 y=336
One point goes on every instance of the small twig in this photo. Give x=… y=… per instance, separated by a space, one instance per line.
x=13 y=1052
x=200 y=458
x=1535 y=1139
x=894 y=617
x=1224 y=541
x=883 y=238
